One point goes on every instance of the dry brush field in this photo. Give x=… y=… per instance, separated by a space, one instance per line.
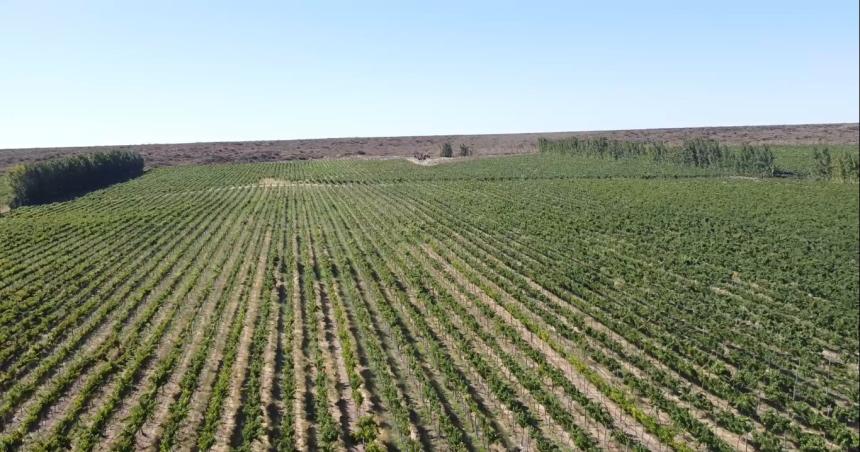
x=534 y=302
x=159 y=155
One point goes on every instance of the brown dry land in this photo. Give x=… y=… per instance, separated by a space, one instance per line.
x=515 y=143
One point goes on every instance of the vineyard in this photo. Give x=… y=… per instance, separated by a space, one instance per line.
x=539 y=302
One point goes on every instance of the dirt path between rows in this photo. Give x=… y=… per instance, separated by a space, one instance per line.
x=416 y=431
x=206 y=310
x=663 y=417
x=233 y=404
x=166 y=314
x=94 y=342
x=539 y=410
x=268 y=375
x=197 y=407
x=722 y=433
x=300 y=360
x=485 y=395
x=346 y=402
x=148 y=436
x=372 y=403
x=622 y=419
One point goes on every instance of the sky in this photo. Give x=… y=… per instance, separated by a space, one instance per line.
x=75 y=73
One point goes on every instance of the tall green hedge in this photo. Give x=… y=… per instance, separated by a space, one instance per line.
x=57 y=179
x=700 y=152
x=844 y=167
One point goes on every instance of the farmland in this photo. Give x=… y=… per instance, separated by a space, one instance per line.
x=546 y=302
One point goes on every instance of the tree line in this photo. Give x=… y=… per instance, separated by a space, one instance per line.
x=699 y=152
x=57 y=179
x=448 y=151
x=844 y=167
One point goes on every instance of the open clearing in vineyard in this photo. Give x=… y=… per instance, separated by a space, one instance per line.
x=545 y=302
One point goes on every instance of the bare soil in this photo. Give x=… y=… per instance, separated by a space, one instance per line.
x=158 y=155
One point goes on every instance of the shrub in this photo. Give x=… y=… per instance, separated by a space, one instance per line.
x=823 y=163
x=465 y=150
x=52 y=180
x=447 y=150
x=367 y=431
x=843 y=167
x=848 y=167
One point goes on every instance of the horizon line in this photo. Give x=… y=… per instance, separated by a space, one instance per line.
x=347 y=137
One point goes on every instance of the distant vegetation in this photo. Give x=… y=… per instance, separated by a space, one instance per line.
x=52 y=180
x=5 y=191
x=465 y=150
x=700 y=153
x=840 y=165
x=421 y=155
x=447 y=150
x=844 y=167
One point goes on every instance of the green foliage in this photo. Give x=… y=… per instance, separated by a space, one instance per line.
x=376 y=446
x=52 y=180
x=844 y=168
x=480 y=305
x=366 y=430
x=823 y=164
x=848 y=167
x=704 y=153
x=604 y=148
x=699 y=153
x=5 y=191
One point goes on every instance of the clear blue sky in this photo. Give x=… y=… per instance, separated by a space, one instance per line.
x=116 y=72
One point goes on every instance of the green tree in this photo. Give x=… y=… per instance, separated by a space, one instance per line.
x=447 y=150
x=57 y=179
x=823 y=164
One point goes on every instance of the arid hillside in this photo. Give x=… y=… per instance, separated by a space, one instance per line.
x=264 y=151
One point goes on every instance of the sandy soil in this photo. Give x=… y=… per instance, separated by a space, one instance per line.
x=266 y=151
